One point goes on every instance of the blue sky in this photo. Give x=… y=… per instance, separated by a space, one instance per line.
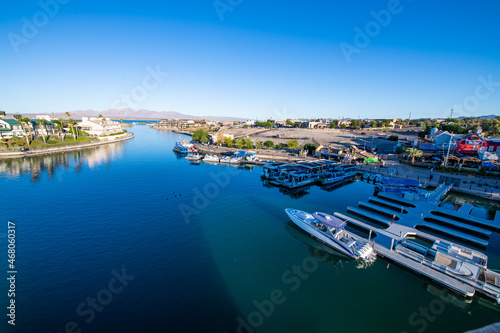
x=253 y=59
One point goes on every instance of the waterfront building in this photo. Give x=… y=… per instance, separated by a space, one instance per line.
x=99 y=126
x=179 y=124
x=10 y=127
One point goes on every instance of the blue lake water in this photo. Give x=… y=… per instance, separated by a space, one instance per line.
x=132 y=238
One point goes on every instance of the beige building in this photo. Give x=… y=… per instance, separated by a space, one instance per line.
x=99 y=126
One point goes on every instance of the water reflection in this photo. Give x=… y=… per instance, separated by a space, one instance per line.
x=484 y=208
x=53 y=164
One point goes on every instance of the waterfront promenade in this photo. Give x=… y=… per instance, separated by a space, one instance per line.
x=480 y=186
x=62 y=149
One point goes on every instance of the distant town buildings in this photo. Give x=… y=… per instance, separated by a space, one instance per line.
x=99 y=126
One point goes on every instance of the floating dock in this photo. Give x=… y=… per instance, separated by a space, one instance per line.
x=370 y=216
x=454 y=233
x=468 y=218
x=388 y=204
x=379 y=210
x=442 y=220
x=399 y=201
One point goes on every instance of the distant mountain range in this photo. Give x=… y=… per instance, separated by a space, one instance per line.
x=142 y=114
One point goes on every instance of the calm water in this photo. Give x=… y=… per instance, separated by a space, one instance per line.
x=198 y=248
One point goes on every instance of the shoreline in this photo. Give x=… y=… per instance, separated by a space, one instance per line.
x=55 y=150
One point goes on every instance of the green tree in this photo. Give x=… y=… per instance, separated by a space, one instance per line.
x=2 y=113
x=17 y=116
x=412 y=152
x=311 y=147
x=401 y=150
x=25 y=122
x=245 y=126
x=294 y=144
x=394 y=137
x=220 y=138
x=259 y=144
x=249 y=143
x=200 y=135
x=72 y=124
x=332 y=125
x=289 y=122
x=240 y=143
x=343 y=126
x=228 y=141
x=269 y=144
x=355 y=123
x=373 y=123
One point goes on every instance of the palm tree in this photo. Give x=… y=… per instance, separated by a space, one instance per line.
x=21 y=121
x=41 y=123
x=27 y=121
x=71 y=123
x=412 y=152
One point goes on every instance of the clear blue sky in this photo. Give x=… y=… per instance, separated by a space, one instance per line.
x=279 y=59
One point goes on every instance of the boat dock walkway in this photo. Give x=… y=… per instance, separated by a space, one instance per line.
x=468 y=218
x=379 y=210
x=383 y=246
x=368 y=215
x=459 y=225
x=454 y=233
x=438 y=277
x=380 y=202
x=399 y=201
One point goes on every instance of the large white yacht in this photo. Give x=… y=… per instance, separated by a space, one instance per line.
x=330 y=231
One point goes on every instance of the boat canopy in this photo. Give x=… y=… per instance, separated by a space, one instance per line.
x=400 y=182
x=329 y=220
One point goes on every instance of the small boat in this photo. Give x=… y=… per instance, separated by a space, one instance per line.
x=211 y=158
x=461 y=263
x=184 y=147
x=399 y=186
x=224 y=159
x=193 y=157
x=332 y=177
x=234 y=160
x=330 y=231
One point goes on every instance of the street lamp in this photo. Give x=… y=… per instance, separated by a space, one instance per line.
x=449 y=146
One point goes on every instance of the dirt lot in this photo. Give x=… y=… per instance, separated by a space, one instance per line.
x=326 y=137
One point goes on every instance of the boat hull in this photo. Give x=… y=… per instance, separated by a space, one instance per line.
x=319 y=235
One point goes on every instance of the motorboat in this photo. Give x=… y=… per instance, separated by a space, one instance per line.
x=330 y=231
x=399 y=186
x=464 y=264
x=185 y=147
x=211 y=158
x=193 y=157
x=332 y=177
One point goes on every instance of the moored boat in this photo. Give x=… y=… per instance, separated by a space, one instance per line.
x=461 y=263
x=211 y=158
x=330 y=231
x=184 y=147
x=193 y=157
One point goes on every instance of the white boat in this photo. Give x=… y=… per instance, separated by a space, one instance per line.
x=464 y=264
x=234 y=160
x=193 y=157
x=224 y=159
x=211 y=158
x=330 y=231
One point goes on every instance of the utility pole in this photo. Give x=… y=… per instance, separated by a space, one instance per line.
x=449 y=146
x=451 y=116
